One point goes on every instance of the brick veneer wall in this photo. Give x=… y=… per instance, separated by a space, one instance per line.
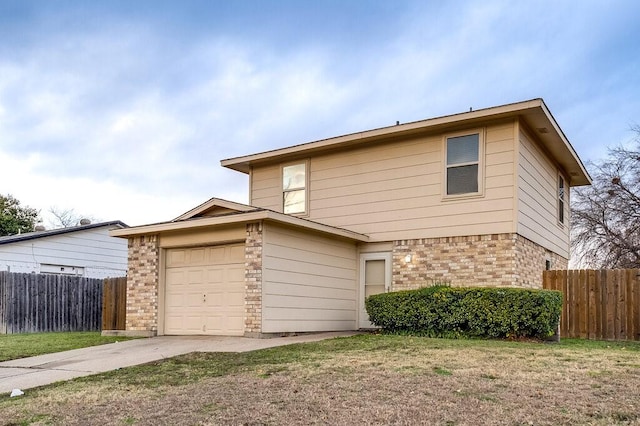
x=142 y=284
x=253 y=281
x=502 y=260
x=531 y=260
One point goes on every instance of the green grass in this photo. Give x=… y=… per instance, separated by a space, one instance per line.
x=196 y=366
x=600 y=344
x=14 y=346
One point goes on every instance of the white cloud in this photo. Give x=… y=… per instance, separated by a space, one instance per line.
x=125 y=120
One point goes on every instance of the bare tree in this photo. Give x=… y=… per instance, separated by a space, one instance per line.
x=605 y=217
x=65 y=218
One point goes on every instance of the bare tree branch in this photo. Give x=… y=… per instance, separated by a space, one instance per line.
x=605 y=216
x=65 y=218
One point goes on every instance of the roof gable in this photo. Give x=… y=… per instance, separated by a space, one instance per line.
x=215 y=207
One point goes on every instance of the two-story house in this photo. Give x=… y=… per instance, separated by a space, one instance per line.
x=479 y=198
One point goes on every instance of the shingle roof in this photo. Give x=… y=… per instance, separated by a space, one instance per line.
x=40 y=234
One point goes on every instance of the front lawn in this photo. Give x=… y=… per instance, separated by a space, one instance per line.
x=366 y=379
x=14 y=346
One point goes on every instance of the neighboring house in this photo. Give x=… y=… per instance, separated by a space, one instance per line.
x=85 y=250
x=478 y=198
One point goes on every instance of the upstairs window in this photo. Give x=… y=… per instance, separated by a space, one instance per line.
x=463 y=164
x=561 y=199
x=294 y=189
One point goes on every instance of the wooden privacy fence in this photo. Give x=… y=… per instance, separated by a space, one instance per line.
x=42 y=303
x=114 y=303
x=598 y=304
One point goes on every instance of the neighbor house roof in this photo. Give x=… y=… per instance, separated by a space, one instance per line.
x=195 y=219
x=48 y=233
x=533 y=112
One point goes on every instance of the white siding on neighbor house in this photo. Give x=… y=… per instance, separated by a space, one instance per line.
x=394 y=190
x=93 y=249
x=537 y=199
x=308 y=283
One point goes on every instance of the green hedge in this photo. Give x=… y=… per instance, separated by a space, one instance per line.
x=442 y=311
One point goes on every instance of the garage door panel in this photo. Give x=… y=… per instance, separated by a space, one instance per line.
x=192 y=322
x=176 y=258
x=193 y=299
x=217 y=255
x=175 y=277
x=205 y=290
x=228 y=302
x=224 y=325
x=236 y=322
x=235 y=299
x=183 y=324
x=215 y=275
x=175 y=300
x=197 y=256
x=216 y=301
x=216 y=325
x=237 y=252
x=235 y=274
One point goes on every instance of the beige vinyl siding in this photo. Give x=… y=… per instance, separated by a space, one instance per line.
x=196 y=237
x=266 y=188
x=537 y=199
x=308 y=283
x=394 y=191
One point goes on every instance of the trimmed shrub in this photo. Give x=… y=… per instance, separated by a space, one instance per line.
x=442 y=311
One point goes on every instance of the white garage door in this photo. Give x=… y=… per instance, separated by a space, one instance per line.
x=205 y=290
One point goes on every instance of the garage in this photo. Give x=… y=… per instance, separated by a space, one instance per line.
x=225 y=268
x=204 y=290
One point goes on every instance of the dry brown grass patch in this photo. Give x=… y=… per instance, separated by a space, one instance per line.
x=367 y=379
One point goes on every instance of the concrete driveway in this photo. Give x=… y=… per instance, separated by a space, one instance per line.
x=41 y=370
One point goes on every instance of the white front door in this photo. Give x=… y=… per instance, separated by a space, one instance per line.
x=375 y=277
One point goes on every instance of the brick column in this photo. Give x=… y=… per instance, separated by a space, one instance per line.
x=142 y=286
x=253 y=281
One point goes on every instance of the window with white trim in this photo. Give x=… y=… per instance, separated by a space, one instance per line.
x=561 y=199
x=294 y=188
x=463 y=164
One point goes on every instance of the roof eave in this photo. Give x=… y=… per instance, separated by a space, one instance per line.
x=60 y=231
x=578 y=173
x=244 y=217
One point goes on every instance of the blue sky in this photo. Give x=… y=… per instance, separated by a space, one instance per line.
x=123 y=110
